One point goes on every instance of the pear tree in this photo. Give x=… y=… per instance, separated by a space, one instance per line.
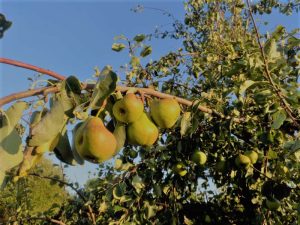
x=206 y=134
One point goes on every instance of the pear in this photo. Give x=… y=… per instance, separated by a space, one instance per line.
x=242 y=160
x=165 y=112
x=179 y=169
x=142 y=132
x=128 y=109
x=199 y=158
x=94 y=142
x=253 y=156
x=273 y=204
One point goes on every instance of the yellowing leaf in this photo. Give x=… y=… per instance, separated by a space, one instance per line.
x=49 y=126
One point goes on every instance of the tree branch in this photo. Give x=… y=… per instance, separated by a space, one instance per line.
x=31 y=67
x=44 y=91
x=278 y=92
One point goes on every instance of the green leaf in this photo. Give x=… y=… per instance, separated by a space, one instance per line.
x=278 y=118
x=2 y=177
x=10 y=151
x=120 y=135
x=63 y=150
x=272 y=154
x=139 y=37
x=49 y=126
x=77 y=157
x=73 y=85
x=15 y=112
x=117 y=47
x=118 y=164
x=272 y=51
x=105 y=85
x=118 y=192
x=147 y=50
x=4 y=125
x=185 y=123
x=245 y=85
x=137 y=183
x=149 y=210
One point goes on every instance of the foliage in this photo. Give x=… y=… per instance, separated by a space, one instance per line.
x=254 y=97
x=33 y=196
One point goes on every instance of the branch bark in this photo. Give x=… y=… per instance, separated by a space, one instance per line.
x=31 y=67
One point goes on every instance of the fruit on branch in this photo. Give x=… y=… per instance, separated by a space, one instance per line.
x=49 y=146
x=179 y=169
x=165 y=112
x=93 y=142
x=242 y=160
x=142 y=132
x=272 y=204
x=128 y=109
x=199 y=157
x=252 y=155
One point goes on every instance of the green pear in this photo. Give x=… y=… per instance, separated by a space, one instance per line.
x=165 y=112
x=199 y=157
x=94 y=142
x=253 y=156
x=179 y=169
x=142 y=132
x=273 y=204
x=242 y=160
x=128 y=109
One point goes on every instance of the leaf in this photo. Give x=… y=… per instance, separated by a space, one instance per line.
x=150 y=210
x=272 y=154
x=278 y=118
x=63 y=150
x=147 y=50
x=4 y=125
x=137 y=183
x=185 y=123
x=10 y=151
x=245 y=85
x=272 y=51
x=73 y=85
x=120 y=135
x=139 y=37
x=2 y=178
x=105 y=85
x=14 y=113
x=118 y=164
x=135 y=61
x=49 y=126
x=117 y=47
x=117 y=192
x=77 y=157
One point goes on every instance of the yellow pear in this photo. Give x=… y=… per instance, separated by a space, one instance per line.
x=242 y=160
x=128 y=109
x=94 y=142
x=179 y=169
x=165 y=112
x=253 y=156
x=142 y=132
x=199 y=157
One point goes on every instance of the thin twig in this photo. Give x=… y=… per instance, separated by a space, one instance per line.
x=284 y=103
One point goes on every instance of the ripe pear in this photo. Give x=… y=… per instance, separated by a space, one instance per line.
x=142 y=132
x=273 y=204
x=179 y=169
x=128 y=109
x=242 y=160
x=165 y=112
x=253 y=156
x=94 y=142
x=199 y=158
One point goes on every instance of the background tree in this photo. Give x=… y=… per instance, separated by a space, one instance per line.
x=239 y=96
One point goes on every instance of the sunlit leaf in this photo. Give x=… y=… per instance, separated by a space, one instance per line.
x=117 y=47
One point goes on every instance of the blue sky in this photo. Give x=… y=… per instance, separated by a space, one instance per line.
x=72 y=37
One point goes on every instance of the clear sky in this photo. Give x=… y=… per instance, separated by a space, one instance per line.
x=72 y=37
